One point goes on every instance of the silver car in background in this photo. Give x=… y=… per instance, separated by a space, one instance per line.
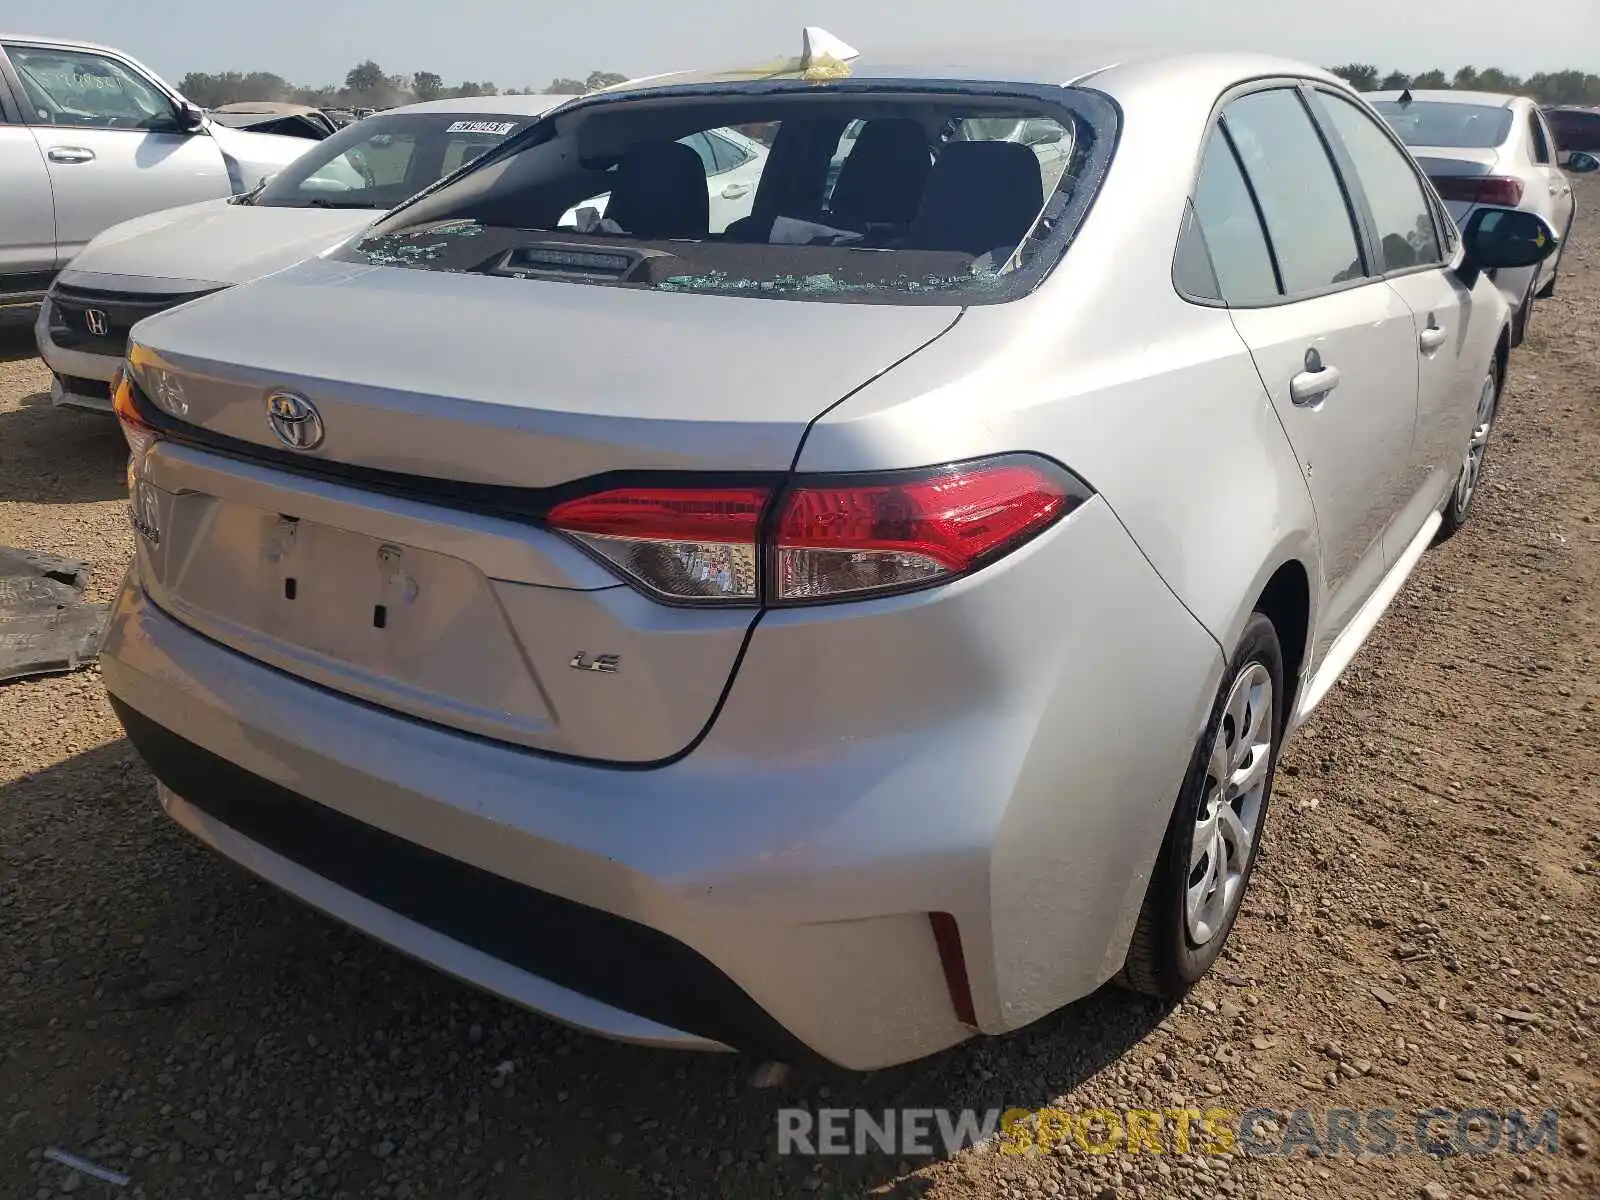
x=868 y=627
x=336 y=188
x=90 y=137
x=1480 y=148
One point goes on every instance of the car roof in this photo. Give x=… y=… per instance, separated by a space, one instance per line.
x=1450 y=96
x=1107 y=66
x=60 y=43
x=511 y=106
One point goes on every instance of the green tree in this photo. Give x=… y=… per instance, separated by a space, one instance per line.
x=1361 y=76
x=1433 y=80
x=365 y=78
x=565 y=87
x=229 y=87
x=1493 y=79
x=603 y=79
x=425 y=85
x=1466 y=79
x=1395 y=81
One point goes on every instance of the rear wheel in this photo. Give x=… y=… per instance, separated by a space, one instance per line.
x=1470 y=476
x=1212 y=841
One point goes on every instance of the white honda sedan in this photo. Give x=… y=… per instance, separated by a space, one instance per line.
x=1480 y=149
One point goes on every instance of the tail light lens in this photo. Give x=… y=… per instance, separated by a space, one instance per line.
x=144 y=513
x=139 y=436
x=824 y=538
x=687 y=544
x=1501 y=191
x=889 y=536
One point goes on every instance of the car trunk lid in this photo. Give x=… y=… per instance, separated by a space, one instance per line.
x=358 y=565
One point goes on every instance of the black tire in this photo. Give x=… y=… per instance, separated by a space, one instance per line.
x=1458 y=507
x=1163 y=959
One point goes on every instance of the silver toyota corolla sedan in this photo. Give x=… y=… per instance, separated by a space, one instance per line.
x=868 y=626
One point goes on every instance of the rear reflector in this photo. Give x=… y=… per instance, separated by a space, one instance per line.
x=834 y=537
x=1501 y=191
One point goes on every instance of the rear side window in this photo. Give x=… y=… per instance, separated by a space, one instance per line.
x=1406 y=233
x=726 y=154
x=1292 y=178
x=1541 y=143
x=1225 y=216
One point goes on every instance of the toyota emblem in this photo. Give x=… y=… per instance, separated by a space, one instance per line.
x=97 y=322
x=294 y=420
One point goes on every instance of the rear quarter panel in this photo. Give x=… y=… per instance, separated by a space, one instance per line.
x=1157 y=404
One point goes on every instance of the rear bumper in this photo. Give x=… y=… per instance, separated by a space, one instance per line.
x=773 y=887
x=471 y=923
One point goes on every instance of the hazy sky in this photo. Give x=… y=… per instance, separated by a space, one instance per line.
x=516 y=43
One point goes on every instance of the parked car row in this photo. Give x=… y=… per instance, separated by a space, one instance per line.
x=843 y=627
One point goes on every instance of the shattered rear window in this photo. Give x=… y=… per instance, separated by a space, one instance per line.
x=853 y=192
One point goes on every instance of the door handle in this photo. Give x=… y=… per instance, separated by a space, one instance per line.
x=1308 y=387
x=1316 y=381
x=1431 y=338
x=734 y=190
x=70 y=154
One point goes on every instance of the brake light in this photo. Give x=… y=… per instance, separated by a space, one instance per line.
x=833 y=537
x=851 y=538
x=1501 y=191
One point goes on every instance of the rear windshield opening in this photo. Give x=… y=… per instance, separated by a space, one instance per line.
x=816 y=195
x=1445 y=124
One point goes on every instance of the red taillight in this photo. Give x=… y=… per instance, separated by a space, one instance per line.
x=695 y=544
x=890 y=535
x=833 y=538
x=1501 y=191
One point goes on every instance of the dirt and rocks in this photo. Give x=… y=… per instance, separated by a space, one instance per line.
x=1423 y=932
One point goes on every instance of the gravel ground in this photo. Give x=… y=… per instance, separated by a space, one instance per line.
x=1422 y=932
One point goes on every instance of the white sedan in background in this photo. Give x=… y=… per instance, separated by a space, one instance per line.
x=733 y=164
x=155 y=262
x=1484 y=149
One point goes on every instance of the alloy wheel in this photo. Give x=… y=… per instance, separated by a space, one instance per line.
x=1229 y=815
x=1477 y=447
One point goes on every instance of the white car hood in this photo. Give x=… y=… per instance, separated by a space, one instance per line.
x=216 y=241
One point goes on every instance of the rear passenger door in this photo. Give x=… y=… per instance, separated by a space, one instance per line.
x=1545 y=154
x=1334 y=346
x=1414 y=247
